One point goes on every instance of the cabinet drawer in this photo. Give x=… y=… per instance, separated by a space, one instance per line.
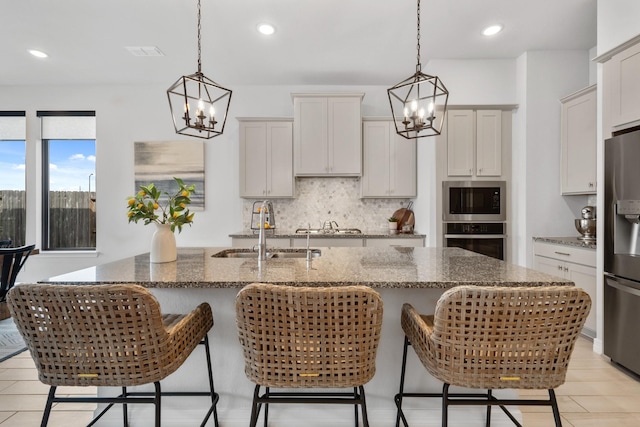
x=566 y=253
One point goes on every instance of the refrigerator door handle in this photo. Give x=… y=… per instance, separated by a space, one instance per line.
x=614 y=284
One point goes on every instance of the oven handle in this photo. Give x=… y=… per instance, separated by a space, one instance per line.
x=475 y=236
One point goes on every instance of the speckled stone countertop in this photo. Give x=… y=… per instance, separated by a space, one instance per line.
x=366 y=234
x=568 y=241
x=389 y=267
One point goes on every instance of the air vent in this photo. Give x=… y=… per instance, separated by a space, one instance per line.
x=144 y=51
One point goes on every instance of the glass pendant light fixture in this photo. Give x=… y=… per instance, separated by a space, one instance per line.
x=418 y=103
x=199 y=106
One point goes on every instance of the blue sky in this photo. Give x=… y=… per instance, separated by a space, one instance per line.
x=71 y=163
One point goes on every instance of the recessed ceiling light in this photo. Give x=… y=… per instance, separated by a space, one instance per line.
x=492 y=30
x=266 y=29
x=38 y=53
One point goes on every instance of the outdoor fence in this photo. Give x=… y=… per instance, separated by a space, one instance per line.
x=72 y=218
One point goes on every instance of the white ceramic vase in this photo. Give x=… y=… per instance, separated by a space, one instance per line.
x=393 y=226
x=163 y=244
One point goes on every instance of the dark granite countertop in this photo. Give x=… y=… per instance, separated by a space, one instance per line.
x=389 y=267
x=568 y=241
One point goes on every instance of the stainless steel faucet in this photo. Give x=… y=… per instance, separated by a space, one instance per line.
x=262 y=237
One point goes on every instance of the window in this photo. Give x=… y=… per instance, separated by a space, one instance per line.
x=68 y=180
x=12 y=177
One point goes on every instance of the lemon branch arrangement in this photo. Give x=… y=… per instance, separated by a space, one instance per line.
x=145 y=206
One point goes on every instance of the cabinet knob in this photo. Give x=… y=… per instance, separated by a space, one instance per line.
x=591 y=185
x=560 y=267
x=566 y=269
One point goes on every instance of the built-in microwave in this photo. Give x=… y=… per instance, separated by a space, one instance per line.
x=474 y=201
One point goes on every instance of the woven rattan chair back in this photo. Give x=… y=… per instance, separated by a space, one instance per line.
x=111 y=335
x=500 y=337
x=306 y=337
x=11 y=262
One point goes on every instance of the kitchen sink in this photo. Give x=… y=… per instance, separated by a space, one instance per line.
x=328 y=231
x=276 y=253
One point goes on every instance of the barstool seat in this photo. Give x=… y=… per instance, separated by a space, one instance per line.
x=495 y=338
x=108 y=335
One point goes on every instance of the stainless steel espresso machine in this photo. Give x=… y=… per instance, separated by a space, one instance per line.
x=622 y=250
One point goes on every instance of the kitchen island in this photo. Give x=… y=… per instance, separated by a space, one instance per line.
x=400 y=274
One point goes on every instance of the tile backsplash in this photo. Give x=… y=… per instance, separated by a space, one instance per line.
x=335 y=199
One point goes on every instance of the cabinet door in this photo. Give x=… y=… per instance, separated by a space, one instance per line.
x=578 y=142
x=280 y=182
x=625 y=80
x=344 y=150
x=310 y=136
x=253 y=159
x=489 y=143
x=585 y=278
x=549 y=266
x=460 y=142
x=375 y=168
x=403 y=165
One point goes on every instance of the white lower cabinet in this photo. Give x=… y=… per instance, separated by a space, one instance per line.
x=575 y=264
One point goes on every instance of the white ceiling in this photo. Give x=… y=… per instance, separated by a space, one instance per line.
x=329 y=42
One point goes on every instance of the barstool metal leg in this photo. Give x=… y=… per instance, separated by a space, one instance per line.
x=554 y=407
x=157 y=401
x=365 y=417
x=47 y=408
x=445 y=405
x=214 y=397
x=255 y=408
x=398 y=397
x=125 y=412
x=489 y=397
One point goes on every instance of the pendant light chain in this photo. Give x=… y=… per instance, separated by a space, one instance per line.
x=418 y=66
x=199 y=61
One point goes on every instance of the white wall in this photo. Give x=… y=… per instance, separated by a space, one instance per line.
x=617 y=23
x=543 y=78
x=126 y=114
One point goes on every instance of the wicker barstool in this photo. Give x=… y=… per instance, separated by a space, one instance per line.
x=108 y=335
x=309 y=338
x=495 y=338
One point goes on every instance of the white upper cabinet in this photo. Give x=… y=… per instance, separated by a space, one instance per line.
x=327 y=134
x=266 y=158
x=578 y=142
x=474 y=143
x=623 y=72
x=389 y=162
x=488 y=143
x=460 y=142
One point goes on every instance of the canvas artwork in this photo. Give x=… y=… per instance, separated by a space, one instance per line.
x=159 y=162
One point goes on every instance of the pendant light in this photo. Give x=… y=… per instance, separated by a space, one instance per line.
x=199 y=106
x=418 y=103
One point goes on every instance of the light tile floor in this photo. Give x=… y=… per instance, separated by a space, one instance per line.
x=596 y=394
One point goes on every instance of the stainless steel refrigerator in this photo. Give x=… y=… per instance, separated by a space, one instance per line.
x=622 y=250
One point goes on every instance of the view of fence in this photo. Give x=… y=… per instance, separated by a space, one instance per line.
x=72 y=218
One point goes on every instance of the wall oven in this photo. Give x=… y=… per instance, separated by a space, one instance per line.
x=474 y=201
x=485 y=238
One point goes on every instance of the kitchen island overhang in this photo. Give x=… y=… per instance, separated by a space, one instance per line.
x=377 y=267
x=399 y=274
